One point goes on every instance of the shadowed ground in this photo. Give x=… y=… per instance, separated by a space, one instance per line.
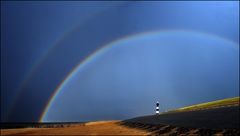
x=221 y=121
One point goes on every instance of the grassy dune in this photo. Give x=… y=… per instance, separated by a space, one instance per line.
x=219 y=117
x=208 y=105
x=215 y=121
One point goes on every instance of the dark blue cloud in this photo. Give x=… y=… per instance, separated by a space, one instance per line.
x=61 y=34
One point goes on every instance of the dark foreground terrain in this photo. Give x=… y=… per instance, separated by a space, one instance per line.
x=220 y=121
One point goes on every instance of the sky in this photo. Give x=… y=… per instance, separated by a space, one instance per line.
x=82 y=61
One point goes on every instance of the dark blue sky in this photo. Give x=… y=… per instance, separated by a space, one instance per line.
x=41 y=42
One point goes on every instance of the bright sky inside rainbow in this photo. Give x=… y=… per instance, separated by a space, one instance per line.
x=161 y=50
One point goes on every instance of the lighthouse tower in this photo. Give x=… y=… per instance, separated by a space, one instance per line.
x=157 y=108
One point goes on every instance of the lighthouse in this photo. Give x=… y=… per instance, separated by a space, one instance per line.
x=157 y=108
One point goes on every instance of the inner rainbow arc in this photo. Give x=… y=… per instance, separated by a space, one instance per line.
x=101 y=51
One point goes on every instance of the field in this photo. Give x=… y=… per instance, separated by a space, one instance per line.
x=91 y=128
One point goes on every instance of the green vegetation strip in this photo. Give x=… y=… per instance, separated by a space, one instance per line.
x=213 y=104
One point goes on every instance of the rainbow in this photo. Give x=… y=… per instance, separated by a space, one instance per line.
x=27 y=77
x=101 y=51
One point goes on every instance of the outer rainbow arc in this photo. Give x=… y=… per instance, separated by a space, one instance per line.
x=56 y=43
x=101 y=50
x=44 y=56
x=59 y=41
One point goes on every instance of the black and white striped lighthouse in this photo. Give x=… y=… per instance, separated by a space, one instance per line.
x=157 y=107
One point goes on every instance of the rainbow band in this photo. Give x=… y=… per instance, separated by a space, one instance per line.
x=46 y=54
x=102 y=50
